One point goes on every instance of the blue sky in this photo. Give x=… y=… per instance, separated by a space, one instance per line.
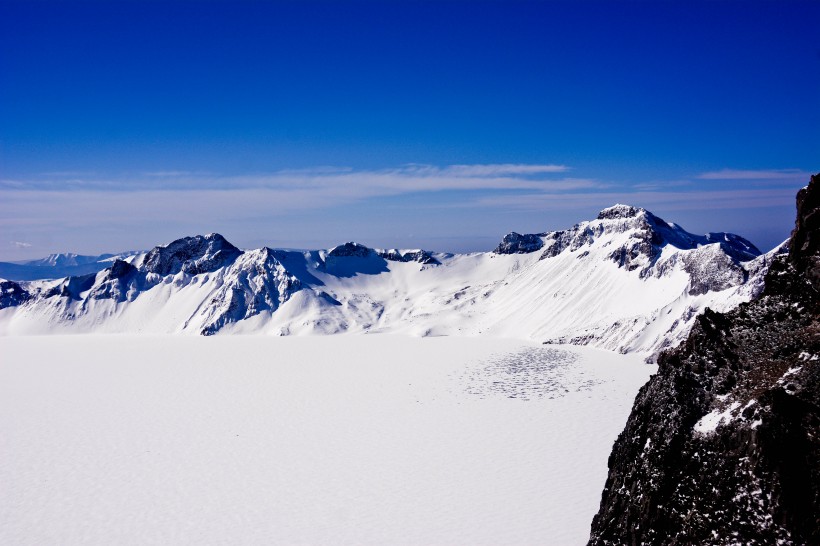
x=440 y=125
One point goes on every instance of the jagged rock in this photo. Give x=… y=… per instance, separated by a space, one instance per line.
x=515 y=243
x=192 y=255
x=352 y=250
x=619 y=211
x=805 y=241
x=557 y=242
x=710 y=269
x=12 y=294
x=723 y=444
x=421 y=256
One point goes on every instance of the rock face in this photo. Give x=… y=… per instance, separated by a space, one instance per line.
x=12 y=294
x=421 y=256
x=356 y=250
x=723 y=444
x=515 y=243
x=192 y=255
x=350 y=250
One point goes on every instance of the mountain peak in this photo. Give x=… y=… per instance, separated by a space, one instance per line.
x=804 y=250
x=350 y=249
x=620 y=211
x=193 y=255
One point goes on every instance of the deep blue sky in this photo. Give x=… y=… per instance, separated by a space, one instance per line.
x=705 y=113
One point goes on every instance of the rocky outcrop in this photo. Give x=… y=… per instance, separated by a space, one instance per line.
x=711 y=268
x=356 y=250
x=420 y=256
x=515 y=243
x=723 y=444
x=350 y=250
x=191 y=255
x=12 y=294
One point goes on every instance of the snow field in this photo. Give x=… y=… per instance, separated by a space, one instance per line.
x=355 y=439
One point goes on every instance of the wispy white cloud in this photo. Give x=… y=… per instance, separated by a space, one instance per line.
x=185 y=203
x=652 y=200
x=741 y=174
x=660 y=185
x=20 y=244
x=67 y=174
x=168 y=174
x=322 y=169
x=504 y=169
x=334 y=181
x=298 y=205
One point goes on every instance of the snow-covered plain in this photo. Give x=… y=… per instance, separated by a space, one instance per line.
x=355 y=439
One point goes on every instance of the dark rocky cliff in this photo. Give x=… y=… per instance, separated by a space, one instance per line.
x=723 y=443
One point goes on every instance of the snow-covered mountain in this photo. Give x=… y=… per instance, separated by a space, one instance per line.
x=626 y=281
x=56 y=266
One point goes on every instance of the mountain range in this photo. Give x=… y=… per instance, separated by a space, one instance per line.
x=626 y=281
x=57 y=266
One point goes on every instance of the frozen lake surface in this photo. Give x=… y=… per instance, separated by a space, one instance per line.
x=368 y=439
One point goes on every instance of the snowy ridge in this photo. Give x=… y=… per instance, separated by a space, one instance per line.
x=626 y=281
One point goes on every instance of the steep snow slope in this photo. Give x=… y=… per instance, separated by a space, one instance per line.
x=626 y=281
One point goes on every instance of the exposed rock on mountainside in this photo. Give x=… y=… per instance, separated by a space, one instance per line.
x=192 y=255
x=12 y=294
x=515 y=243
x=356 y=250
x=723 y=444
x=420 y=256
x=350 y=250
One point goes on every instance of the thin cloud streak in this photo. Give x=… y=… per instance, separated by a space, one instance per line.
x=168 y=174
x=739 y=174
x=334 y=180
x=324 y=203
x=684 y=201
x=504 y=169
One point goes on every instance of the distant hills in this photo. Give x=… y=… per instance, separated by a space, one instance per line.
x=57 y=266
